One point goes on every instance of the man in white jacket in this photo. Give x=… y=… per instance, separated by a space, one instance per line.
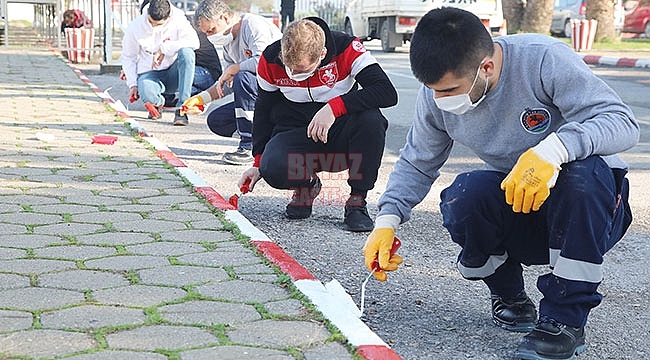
x=158 y=57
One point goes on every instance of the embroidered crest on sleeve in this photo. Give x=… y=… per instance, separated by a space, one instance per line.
x=536 y=120
x=358 y=46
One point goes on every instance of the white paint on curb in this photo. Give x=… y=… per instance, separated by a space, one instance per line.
x=159 y=146
x=245 y=226
x=606 y=60
x=192 y=177
x=337 y=311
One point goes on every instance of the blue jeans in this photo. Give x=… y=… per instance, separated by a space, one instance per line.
x=202 y=80
x=237 y=115
x=177 y=78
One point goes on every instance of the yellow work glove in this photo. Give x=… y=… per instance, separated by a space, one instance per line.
x=529 y=182
x=379 y=245
x=195 y=104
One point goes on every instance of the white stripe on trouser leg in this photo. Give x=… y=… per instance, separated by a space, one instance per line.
x=578 y=270
x=241 y=113
x=490 y=266
x=553 y=254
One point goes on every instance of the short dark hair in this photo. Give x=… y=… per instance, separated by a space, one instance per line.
x=159 y=9
x=448 y=40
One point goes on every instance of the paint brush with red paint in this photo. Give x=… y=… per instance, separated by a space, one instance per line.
x=234 y=200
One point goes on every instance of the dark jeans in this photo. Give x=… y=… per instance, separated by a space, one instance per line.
x=586 y=214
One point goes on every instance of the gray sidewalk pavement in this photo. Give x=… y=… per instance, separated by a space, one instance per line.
x=106 y=252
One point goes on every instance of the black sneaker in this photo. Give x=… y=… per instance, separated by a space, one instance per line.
x=180 y=120
x=356 y=215
x=240 y=157
x=551 y=340
x=302 y=200
x=514 y=314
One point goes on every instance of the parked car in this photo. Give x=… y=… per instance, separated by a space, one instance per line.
x=637 y=17
x=566 y=10
x=563 y=12
x=188 y=6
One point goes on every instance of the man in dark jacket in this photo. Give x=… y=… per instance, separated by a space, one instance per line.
x=311 y=116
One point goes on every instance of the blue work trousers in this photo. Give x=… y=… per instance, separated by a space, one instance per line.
x=238 y=114
x=586 y=214
x=177 y=78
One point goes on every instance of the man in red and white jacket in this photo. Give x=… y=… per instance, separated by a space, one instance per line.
x=311 y=116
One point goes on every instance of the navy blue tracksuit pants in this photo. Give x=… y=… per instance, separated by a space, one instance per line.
x=237 y=115
x=585 y=215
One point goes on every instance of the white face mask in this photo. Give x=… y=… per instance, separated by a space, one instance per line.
x=298 y=77
x=460 y=104
x=219 y=39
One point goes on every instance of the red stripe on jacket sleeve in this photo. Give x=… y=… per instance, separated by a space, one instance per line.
x=338 y=106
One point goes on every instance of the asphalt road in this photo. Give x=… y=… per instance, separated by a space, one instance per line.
x=426 y=310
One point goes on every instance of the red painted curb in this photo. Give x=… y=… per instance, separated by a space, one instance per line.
x=286 y=263
x=377 y=352
x=591 y=59
x=214 y=198
x=627 y=62
x=170 y=158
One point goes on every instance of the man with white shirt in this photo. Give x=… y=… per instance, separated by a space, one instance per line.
x=158 y=57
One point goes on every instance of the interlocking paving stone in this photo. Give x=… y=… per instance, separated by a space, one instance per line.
x=74 y=252
x=138 y=208
x=30 y=241
x=29 y=218
x=197 y=235
x=165 y=248
x=81 y=280
x=64 y=209
x=45 y=343
x=127 y=262
x=208 y=313
x=95 y=200
x=91 y=317
x=8 y=281
x=35 y=266
x=130 y=193
x=33 y=298
x=6 y=253
x=71 y=229
x=279 y=334
x=244 y=291
x=231 y=257
x=157 y=183
x=289 y=307
x=147 y=225
x=233 y=352
x=331 y=350
x=179 y=275
x=259 y=277
x=103 y=217
x=119 y=355
x=138 y=295
x=114 y=238
x=8 y=229
x=161 y=337
x=29 y=200
x=15 y=320
x=181 y=215
x=213 y=223
x=168 y=199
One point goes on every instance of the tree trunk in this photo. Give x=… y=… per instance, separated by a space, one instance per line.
x=513 y=12
x=538 y=16
x=603 y=12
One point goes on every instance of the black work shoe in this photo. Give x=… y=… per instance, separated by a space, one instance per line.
x=551 y=340
x=356 y=215
x=180 y=120
x=302 y=200
x=514 y=314
x=240 y=157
